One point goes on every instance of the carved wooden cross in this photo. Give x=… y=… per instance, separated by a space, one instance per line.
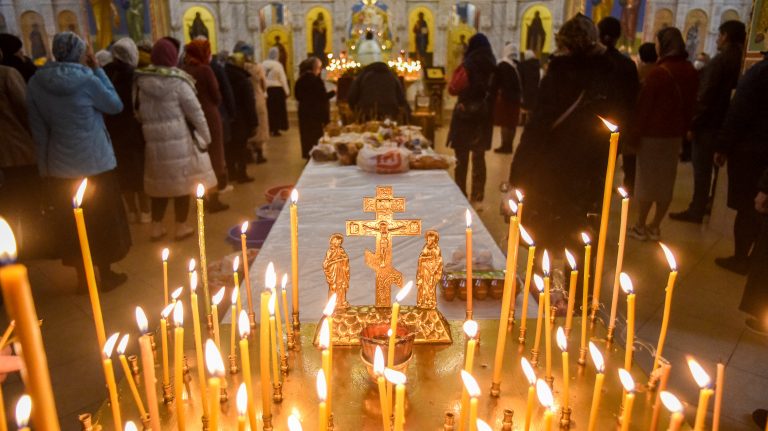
x=384 y=227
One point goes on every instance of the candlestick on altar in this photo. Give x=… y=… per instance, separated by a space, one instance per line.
x=571 y=291
x=232 y=332
x=273 y=349
x=241 y=401
x=148 y=366
x=322 y=410
x=470 y=329
x=703 y=381
x=597 y=359
x=514 y=232
x=562 y=343
x=291 y=343
x=244 y=327
x=128 y=376
x=546 y=400
x=17 y=295
x=295 y=258
x=266 y=404
x=198 y=340
x=378 y=371
x=215 y=366
x=527 y=285
x=468 y=241
x=530 y=375
x=676 y=408
x=626 y=286
x=537 y=280
x=324 y=342
x=547 y=319
x=279 y=332
x=664 y=371
x=719 y=385
x=23 y=410
x=178 y=367
x=473 y=389
x=246 y=276
x=619 y=262
x=328 y=311
x=217 y=298
x=393 y=322
x=167 y=395
x=629 y=398
x=109 y=376
x=200 y=192
x=164 y=256
x=667 y=305
x=398 y=379
x=606 y=208
x=236 y=277
x=584 y=299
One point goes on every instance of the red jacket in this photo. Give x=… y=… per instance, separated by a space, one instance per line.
x=666 y=101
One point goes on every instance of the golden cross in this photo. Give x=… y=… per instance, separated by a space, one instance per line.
x=384 y=227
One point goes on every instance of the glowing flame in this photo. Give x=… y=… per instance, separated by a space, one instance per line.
x=571 y=260
x=165 y=254
x=670 y=257
x=213 y=360
x=178 y=314
x=322 y=389
x=702 y=378
x=530 y=375
x=165 y=312
x=612 y=127
x=671 y=402
x=626 y=380
x=585 y=238
x=470 y=384
x=324 y=339
x=242 y=400
x=284 y=281
x=233 y=297
x=519 y=195
x=176 y=293
x=123 y=344
x=294 y=196
x=271 y=304
x=623 y=193
x=562 y=342
x=404 y=292
x=235 y=263
x=294 y=424
x=544 y=393
x=218 y=296
x=244 y=228
x=482 y=426
x=200 y=191
x=597 y=357
x=468 y=217
x=78 y=200
x=193 y=281
x=192 y=265
x=378 y=362
x=270 y=277
x=395 y=377
x=130 y=426
x=330 y=306
x=512 y=206
x=141 y=320
x=7 y=242
x=545 y=263
x=539 y=282
x=626 y=283
x=109 y=345
x=470 y=328
x=23 y=410
x=243 y=325
x=526 y=237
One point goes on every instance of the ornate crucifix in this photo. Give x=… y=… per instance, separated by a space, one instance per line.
x=384 y=227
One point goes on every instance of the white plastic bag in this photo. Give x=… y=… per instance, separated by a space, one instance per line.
x=384 y=160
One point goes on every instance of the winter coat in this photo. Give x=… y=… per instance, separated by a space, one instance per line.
x=258 y=80
x=17 y=148
x=474 y=131
x=245 y=119
x=227 y=106
x=314 y=109
x=377 y=93
x=665 y=104
x=169 y=111
x=530 y=75
x=210 y=98
x=275 y=74
x=508 y=92
x=718 y=79
x=66 y=102
x=628 y=84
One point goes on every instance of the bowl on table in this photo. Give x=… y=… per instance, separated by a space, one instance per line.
x=375 y=335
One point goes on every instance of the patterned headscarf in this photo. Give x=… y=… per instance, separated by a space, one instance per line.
x=197 y=51
x=245 y=48
x=164 y=53
x=68 y=47
x=671 y=43
x=577 y=35
x=273 y=54
x=126 y=51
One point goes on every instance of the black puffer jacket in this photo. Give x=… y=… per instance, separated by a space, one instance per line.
x=377 y=94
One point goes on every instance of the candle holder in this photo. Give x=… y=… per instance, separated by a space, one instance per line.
x=152 y=344
x=565 y=418
x=204 y=420
x=233 y=364
x=535 y=357
x=550 y=382
x=85 y=422
x=267 y=422
x=495 y=389
x=284 y=364
x=186 y=372
x=468 y=315
x=552 y=316
x=582 y=361
x=167 y=394
x=511 y=320
x=291 y=341
x=330 y=421
x=521 y=338
x=296 y=323
x=277 y=393
x=223 y=396
x=609 y=335
x=145 y=423
x=133 y=361
x=450 y=420
x=506 y=423
x=210 y=326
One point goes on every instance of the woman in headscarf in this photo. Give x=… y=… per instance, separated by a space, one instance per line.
x=277 y=92
x=471 y=129
x=508 y=90
x=125 y=130
x=67 y=99
x=314 y=109
x=259 y=82
x=197 y=59
x=14 y=57
x=663 y=115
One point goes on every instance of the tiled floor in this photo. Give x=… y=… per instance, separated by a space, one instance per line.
x=705 y=319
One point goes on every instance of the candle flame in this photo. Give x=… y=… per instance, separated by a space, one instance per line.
x=284 y=281
x=324 y=339
x=562 y=342
x=571 y=260
x=213 y=360
x=78 y=200
x=626 y=380
x=612 y=127
x=585 y=238
x=626 y=283
x=404 y=292
x=544 y=393
x=545 y=263
x=468 y=217
x=141 y=320
x=597 y=357
x=233 y=297
x=470 y=328
x=294 y=424
x=378 y=362
x=192 y=265
x=539 y=282
x=23 y=410
x=623 y=193
x=702 y=378
x=165 y=254
x=528 y=371
x=176 y=293
x=320 y=385
x=271 y=303
x=519 y=195
x=242 y=400
x=243 y=325
x=482 y=426
x=270 y=277
x=330 y=306
x=235 y=263
x=526 y=237
x=512 y=206
x=130 y=426
x=671 y=402
x=178 y=314
x=109 y=345
x=396 y=377
x=670 y=257
x=218 y=296
x=244 y=227
x=470 y=384
x=294 y=196
x=193 y=281
x=200 y=191
x=7 y=242
x=123 y=344
x=165 y=312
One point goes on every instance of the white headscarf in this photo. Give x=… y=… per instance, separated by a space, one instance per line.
x=126 y=51
x=509 y=54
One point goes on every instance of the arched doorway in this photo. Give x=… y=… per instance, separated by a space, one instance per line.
x=662 y=19
x=34 y=35
x=67 y=21
x=275 y=20
x=199 y=22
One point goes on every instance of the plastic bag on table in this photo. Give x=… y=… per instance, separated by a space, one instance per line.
x=384 y=160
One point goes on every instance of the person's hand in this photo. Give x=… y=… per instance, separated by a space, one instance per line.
x=690 y=136
x=90 y=58
x=720 y=159
x=761 y=202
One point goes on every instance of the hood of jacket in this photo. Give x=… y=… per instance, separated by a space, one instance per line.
x=62 y=78
x=155 y=80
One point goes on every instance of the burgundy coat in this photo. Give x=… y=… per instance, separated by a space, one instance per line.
x=666 y=101
x=210 y=98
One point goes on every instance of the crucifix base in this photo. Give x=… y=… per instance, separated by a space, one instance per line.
x=430 y=324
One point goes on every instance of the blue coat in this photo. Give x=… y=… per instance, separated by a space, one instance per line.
x=66 y=103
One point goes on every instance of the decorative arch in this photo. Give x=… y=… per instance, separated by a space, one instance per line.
x=465 y=12
x=199 y=21
x=34 y=35
x=536 y=30
x=695 y=32
x=319 y=31
x=662 y=19
x=729 y=15
x=66 y=20
x=421 y=36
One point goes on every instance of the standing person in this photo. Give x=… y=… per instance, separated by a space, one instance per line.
x=227 y=106
x=743 y=142
x=471 y=128
x=13 y=56
x=244 y=122
x=648 y=56
x=754 y=301
x=664 y=111
x=508 y=92
x=377 y=94
x=197 y=61
x=259 y=82
x=530 y=75
x=718 y=79
x=177 y=138
x=369 y=50
x=277 y=92
x=66 y=101
x=125 y=130
x=314 y=108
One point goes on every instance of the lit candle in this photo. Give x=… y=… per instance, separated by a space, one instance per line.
x=295 y=257
x=398 y=379
x=165 y=254
x=619 y=261
x=17 y=295
x=606 y=208
x=539 y=317
x=322 y=410
x=585 y=299
x=266 y=402
x=176 y=294
x=242 y=406
x=562 y=343
x=273 y=338
x=129 y=376
x=148 y=366
x=246 y=276
x=705 y=392
x=23 y=410
x=130 y=426
x=203 y=257
x=215 y=366
x=483 y=426
x=470 y=329
x=198 y=337
x=720 y=381
x=109 y=376
x=472 y=388
x=330 y=307
x=278 y=322
x=294 y=423
x=244 y=328
x=288 y=326
x=468 y=241
x=90 y=278
x=163 y=342
x=547 y=317
x=507 y=300
x=378 y=371
x=597 y=393
x=629 y=398
x=527 y=285
x=217 y=298
x=324 y=342
x=667 y=303
x=665 y=369
x=520 y=196
x=531 y=376
x=178 y=364
x=571 y=291
x=676 y=408
x=393 y=322
x=546 y=400
x=626 y=286
x=233 y=325
x=236 y=277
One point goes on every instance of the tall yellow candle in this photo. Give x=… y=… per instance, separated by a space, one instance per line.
x=198 y=338
x=324 y=341
x=393 y=322
x=539 y=282
x=266 y=402
x=322 y=411
x=241 y=401
x=201 y=244
x=468 y=241
x=585 y=298
x=472 y=388
x=629 y=398
x=619 y=260
x=667 y=303
x=246 y=273
x=547 y=316
x=703 y=381
x=664 y=371
x=23 y=410
x=295 y=257
x=215 y=366
x=398 y=379
x=217 y=298
x=514 y=233
x=378 y=370
x=278 y=323
x=178 y=364
x=244 y=327
x=527 y=284
x=562 y=343
x=597 y=359
x=606 y=208
x=530 y=375
x=236 y=277
x=273 y=339
x=470 y=330
x=571 y=291
x=719 y=385
x=233 y=322
x=164 y=342
x=328 y=311
x=546 y=400
x=148 y=367
x=519 y=195
x=626 y=285
x=164 y=256
x=288 y=326
x=129 y=376
x=109 y=376
x=675 y=407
